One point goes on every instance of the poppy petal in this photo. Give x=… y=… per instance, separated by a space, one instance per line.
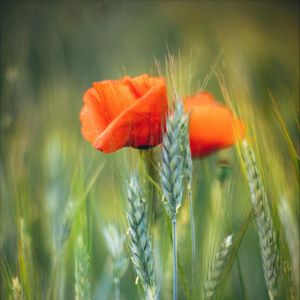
x=200 y=98
x=92 y=116
x=138 y=126
x=125 y=112
x=114 y=97
x=212 y=125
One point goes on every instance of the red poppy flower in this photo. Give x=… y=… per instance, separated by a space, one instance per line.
x=212 y=125
x=125 y=112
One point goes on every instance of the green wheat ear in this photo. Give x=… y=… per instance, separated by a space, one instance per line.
x=173 y=162
x=264 y=222
x=291 y=235
x=17 y=290
x=115 y=241
x=82 y=271
x=216 y=269
x=140 y=243
x=176 y=165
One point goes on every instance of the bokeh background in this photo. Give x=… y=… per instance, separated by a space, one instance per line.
x=52 y=51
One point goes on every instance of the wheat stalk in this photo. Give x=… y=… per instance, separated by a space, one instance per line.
x=174 y=162
x=82 y=271
x=115 y=243
x=25 y=259
x=216 y=269
x=140 y=243
x=66 y=225
x=291 y=234
x=188 y=172
x=17 y=290
x=264 y=223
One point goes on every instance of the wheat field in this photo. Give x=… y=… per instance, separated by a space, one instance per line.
x=76 y=223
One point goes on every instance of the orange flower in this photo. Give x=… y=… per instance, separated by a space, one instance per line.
x=212 y=125
x=126 y=112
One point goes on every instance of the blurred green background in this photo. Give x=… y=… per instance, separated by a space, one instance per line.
x=51 y=52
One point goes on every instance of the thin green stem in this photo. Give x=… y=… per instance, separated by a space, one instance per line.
x=174 y=259
x=192 y=223
x=55 y=273
x=242 y=283
x=117 y=288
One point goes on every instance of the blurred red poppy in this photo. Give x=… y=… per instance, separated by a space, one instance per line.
x=126 y=112
x=212 y=125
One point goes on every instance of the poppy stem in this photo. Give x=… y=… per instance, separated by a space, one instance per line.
x=174 y=239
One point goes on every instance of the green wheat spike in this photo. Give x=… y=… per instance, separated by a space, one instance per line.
x=140 y=243
x=172 y=162
x=115 y=241
x=82 y=271
x=17 y=290
x=213 y=281
x=264 y=223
